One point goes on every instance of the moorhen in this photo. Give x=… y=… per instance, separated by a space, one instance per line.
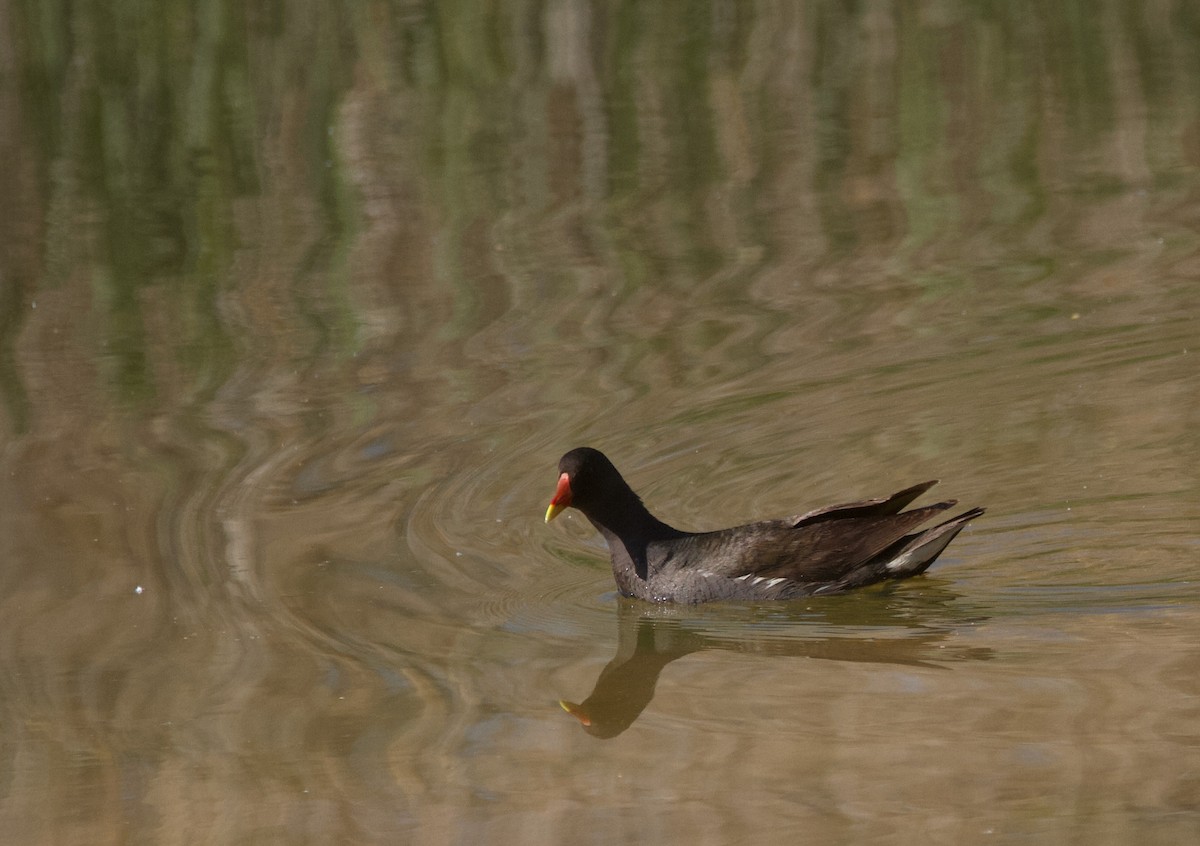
x=828 y=550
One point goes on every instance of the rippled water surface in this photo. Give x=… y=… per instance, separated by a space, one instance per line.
x=300 y=304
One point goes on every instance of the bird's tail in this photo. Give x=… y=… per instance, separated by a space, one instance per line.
x=914 y=553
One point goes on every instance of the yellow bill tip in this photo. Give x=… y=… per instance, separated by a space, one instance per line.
x=561 y=499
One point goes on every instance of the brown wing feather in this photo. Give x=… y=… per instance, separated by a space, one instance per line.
x=820 y=550
x=865 y=508
x=827 y=549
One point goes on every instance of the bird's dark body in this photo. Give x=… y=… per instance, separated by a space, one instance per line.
x=828 y=550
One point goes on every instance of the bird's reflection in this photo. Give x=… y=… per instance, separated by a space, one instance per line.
x=913 y=626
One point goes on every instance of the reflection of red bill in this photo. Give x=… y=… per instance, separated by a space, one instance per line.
x=574 y=710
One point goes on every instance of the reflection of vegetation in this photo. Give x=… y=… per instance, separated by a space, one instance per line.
x=150 y=114
x=12 y=393
x=645 y=128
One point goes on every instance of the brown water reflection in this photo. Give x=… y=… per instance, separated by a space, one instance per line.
x=299 y=304
x=863 y=629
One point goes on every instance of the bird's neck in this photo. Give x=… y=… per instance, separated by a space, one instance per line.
x=628 y=528
x=627 y=519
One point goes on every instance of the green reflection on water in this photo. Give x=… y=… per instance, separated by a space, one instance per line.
x=169 y=121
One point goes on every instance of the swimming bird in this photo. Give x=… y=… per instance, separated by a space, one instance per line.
x=824 y=551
